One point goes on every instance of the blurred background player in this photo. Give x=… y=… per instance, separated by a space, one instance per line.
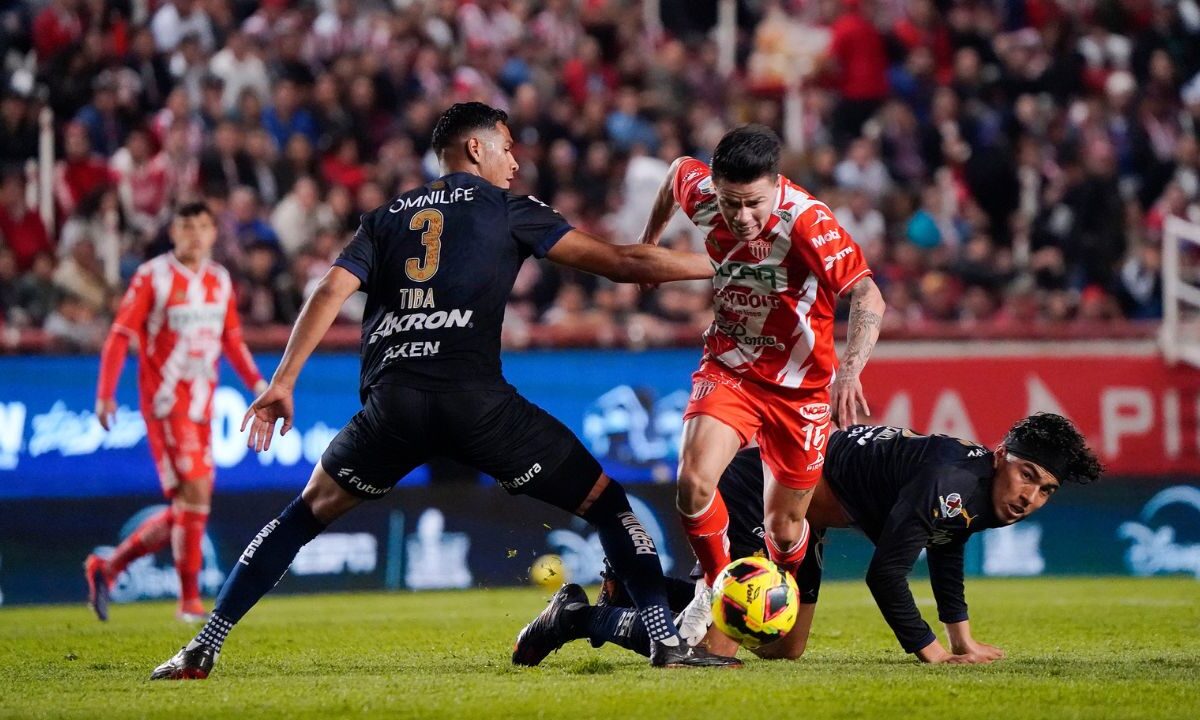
x=907 y=493
x=769 y=370
x=181 y=309
x=437 y=265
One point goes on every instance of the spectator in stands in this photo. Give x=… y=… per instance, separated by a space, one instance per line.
x=81 y=276
x=18 y=132
x=143 y=183
x=859 y=61
x=21 y=228
x=36 y=293
x=1009 y=164
x=240 y=69
x=260 y=149
x=150 y=67
x=226 y=165
x=56 y=28
x=249 y=228
x=177 y=19
x=81 y=172
x=266 y=294
x=299 y=217
x=74 y=325
x=105 y=126
x=8 y=285
x=286 y=117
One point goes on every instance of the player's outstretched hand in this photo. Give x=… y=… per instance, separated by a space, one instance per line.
x=847 y=397
x=106 y=413
x=969 y=653
x=274 y=404
x=977 y=652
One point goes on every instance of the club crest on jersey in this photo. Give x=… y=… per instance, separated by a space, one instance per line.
x=702 y=388
x=952 y=506
x=815 y=412
x=760 y=248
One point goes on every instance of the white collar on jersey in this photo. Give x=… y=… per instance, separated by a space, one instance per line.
x=184 y=268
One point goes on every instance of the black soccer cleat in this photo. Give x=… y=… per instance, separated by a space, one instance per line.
x=684 y=655
x=551 y=629
x=97 y=582
x=612 y=590
x=194 y=664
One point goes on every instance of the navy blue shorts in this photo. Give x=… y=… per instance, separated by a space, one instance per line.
x=497 y=432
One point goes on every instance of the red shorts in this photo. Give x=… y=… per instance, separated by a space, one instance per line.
x=182 y=450
x=791 y=425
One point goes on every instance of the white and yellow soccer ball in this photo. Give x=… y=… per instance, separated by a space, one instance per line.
x=754 y=602
x=548 y=572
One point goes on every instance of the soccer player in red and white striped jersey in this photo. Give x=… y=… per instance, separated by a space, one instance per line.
x=769 y=371
x=181 y=309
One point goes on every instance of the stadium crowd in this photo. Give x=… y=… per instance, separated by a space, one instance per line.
x=1004 y=164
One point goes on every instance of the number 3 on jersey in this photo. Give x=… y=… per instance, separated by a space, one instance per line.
x=431 y=222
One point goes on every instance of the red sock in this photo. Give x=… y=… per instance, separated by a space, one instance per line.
x=789 y=560
x=708 y=535
x=187 y=539
x=151 y=536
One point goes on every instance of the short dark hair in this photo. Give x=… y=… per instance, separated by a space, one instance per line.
x=193 y=209
x=460 y=119
x=1052 y=440
x=746 y=154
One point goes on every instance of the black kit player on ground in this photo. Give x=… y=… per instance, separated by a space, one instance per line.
x=437 y=265
x=907 y=493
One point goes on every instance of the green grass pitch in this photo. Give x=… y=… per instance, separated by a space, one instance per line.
x=1078 y=648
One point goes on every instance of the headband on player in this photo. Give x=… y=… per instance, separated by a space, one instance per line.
x=1049 y=458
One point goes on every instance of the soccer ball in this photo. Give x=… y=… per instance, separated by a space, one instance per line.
x=547 y=572
x=754 y=602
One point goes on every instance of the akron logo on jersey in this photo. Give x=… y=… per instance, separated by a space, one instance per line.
x=760 y=248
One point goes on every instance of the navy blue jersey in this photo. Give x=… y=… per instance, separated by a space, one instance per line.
x=906 y=492
x=437 y=265
x=910 y=492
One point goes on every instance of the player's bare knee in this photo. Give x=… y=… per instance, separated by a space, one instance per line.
x=193 y=495
x=325 y=498
x=694 y=492
x=785 y=529
x=780 y=650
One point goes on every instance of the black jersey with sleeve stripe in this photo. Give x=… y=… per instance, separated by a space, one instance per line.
x=869 y=466
x=437 y=265
x=908 y=493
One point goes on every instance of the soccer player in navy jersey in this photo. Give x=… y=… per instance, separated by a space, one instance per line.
x=437 y=265
x=907 y=492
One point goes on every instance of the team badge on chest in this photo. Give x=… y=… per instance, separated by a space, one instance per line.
x=760 y=248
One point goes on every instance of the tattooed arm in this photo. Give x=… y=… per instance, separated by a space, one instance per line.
x=866 y=314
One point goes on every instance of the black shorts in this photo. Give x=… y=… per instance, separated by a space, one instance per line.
x=497 y=432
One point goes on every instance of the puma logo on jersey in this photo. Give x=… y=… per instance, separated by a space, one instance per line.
x=829 y=261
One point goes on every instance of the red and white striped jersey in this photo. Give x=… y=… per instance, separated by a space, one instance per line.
x=183 y=320
x=776 y=294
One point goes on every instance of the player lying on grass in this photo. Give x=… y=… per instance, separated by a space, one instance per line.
x=906 y=492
